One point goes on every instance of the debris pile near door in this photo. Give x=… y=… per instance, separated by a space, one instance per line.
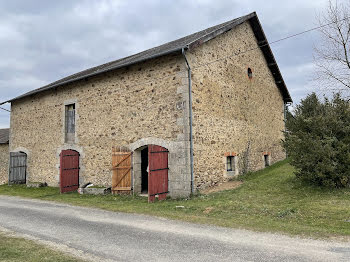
x=94 y=191
x=36 y=184
x=87 y=185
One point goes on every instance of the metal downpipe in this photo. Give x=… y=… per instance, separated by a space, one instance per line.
x=190 y=118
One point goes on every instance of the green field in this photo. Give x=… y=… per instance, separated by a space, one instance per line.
x=268 y=200
x=13 y=249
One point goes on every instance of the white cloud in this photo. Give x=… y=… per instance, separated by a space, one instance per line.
x=19 y=84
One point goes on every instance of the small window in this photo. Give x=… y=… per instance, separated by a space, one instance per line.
x=70 y=123
x=230 y=163
x=250 y=73
x=267 y=160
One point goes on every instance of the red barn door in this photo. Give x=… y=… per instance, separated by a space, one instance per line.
x=158 y=172
x=69 y=171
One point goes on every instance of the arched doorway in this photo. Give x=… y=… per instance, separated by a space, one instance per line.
x=69 y=171
x=151 y=171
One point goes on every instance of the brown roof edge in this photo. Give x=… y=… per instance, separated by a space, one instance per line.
x=263 y=44
x=269 y=57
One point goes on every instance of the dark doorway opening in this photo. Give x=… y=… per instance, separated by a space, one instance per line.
x=144 y=170
x=267 y=160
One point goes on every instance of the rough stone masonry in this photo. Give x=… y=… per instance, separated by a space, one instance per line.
x=238 y=115
x=4 y=163
x=4 y=155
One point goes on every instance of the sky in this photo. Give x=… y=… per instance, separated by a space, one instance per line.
x=42 y=41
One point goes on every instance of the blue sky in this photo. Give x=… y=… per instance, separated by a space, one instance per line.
x=42 y=41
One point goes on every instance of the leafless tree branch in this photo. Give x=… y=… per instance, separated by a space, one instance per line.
x=332 y=54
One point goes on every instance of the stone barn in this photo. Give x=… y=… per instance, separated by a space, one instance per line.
x=4 y=155
x=168 y=121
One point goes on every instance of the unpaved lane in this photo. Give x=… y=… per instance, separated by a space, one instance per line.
x=129 y=237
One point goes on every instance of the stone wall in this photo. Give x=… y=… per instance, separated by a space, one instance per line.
x=233 y=114
x=4 y=163
x=119 y=108
x=148 y=103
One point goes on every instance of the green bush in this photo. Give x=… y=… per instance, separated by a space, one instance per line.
x=318 y=140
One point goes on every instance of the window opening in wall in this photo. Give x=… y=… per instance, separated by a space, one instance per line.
x=267 y=160
x=230 y=163
x=70 y=123
x=144 y=171
x=250 y=73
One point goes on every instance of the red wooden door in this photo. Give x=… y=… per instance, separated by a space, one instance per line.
x=69 y=171
x=158 y=172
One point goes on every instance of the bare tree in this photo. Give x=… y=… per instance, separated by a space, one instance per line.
x=332 y=53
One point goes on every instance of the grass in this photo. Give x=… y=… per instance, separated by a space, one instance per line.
x=13 y=249
x=269 y=200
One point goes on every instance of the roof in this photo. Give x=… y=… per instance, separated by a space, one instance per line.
x=176 y=46
x=4 y=135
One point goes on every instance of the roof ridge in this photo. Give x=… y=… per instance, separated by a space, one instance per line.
x=170 y=47
x=152 y=48
x=223 y=25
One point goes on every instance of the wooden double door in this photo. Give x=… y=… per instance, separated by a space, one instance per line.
x=157 y=172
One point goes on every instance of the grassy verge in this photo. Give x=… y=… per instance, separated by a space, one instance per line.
x=269 y=200
x=13 y=249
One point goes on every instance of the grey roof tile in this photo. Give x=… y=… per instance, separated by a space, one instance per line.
x=171 y=47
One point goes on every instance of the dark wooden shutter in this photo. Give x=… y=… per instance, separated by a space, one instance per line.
x=69 y=171
x=18 y=168
x=121 y=166
x=70 y=119
x=70 y=123
x=158 y=172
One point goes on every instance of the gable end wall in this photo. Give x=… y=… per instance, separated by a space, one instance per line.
x=233 y=114
x=4 y=163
